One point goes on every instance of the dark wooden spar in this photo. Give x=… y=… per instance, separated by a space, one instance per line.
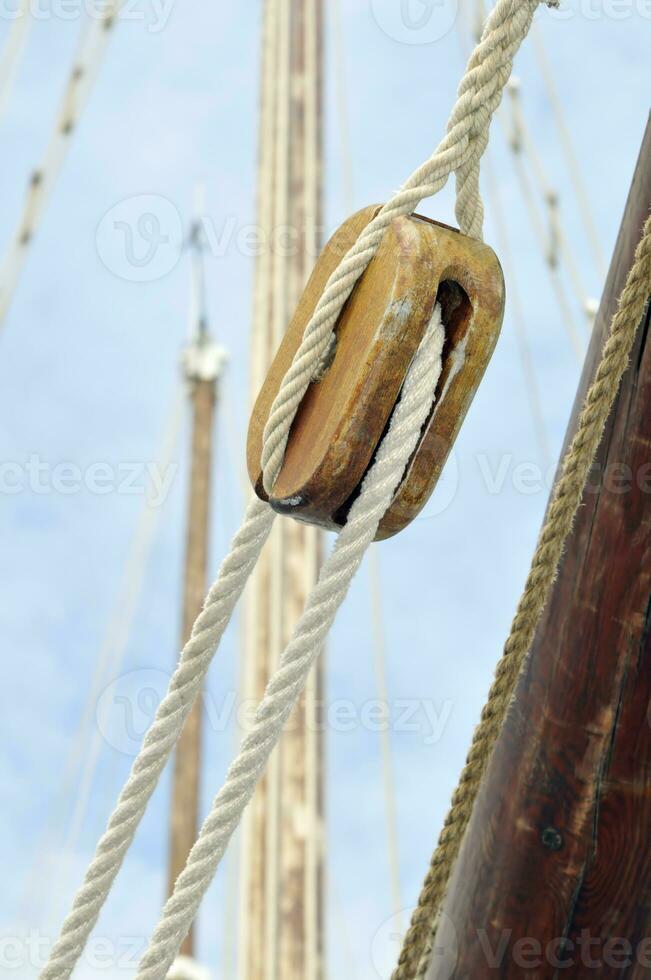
x=554 y=875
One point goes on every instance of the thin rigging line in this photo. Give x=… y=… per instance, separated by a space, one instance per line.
x=277 y=540
x=298 y=659
x=538 y=226
x=379 y=637
x=388 y=781
x=519 y=320
x=574 y=170
x=121 y=623
x=314 y=852
x=107 y=667
x=459 y=152
x=514 y=297
x=558 y=244
x=13 y=51
x=252 y=861
x=87 y=62
x=534 y=217
x=343 y=934
x=343 y=113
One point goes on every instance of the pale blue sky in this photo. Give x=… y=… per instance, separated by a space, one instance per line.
x=88 y=370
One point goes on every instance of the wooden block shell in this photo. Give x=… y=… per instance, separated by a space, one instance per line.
x=343 y=416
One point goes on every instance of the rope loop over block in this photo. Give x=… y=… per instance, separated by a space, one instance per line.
x=459 y=152
x=343 y=415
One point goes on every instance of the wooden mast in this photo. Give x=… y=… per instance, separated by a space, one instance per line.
x=282 y=879
x=554 y=874
x=202 y=364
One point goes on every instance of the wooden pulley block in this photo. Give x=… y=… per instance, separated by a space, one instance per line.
x=344 y=414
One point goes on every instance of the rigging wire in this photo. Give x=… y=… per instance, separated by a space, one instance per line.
x=121 y=623
x=344 y=945
x=538 y=226
x=13 y=51
x=504 y=34
x=573 y=168
x=388 y=780
x=256 y=608
x=343 y=114
x=379 y=635
x=537 y=222
x=517 y=311
x=558 y=244
x=234 y=859
x=94 y=37
x=233 y=862
x=107 y=668
x=524 y=350
x=277 y=538
x=287 y=683
x=314 y=864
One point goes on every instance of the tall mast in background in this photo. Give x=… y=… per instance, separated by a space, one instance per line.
x=203 y=361
x=282 y=850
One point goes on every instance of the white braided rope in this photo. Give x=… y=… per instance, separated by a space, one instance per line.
x=480 y=93
x=286 y=685
x=160 y=739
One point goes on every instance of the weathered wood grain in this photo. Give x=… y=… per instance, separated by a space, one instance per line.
x=343 y=416
x=554 y=875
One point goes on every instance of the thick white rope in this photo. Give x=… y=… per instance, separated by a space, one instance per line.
x=85 y=748
x=160 y=739
x=460 y=152
x=286 y=685
x=283 y=690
